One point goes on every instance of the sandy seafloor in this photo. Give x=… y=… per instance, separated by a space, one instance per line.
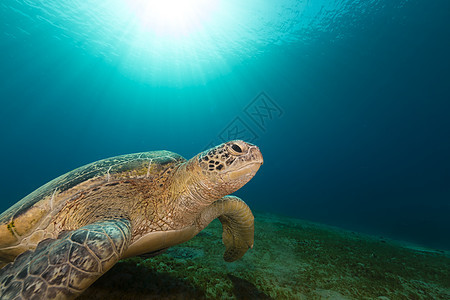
x=291 y=259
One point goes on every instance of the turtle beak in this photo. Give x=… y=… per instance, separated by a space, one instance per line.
x=256 y=155
x=248 y=170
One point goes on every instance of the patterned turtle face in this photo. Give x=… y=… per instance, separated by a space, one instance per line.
x=233 y=163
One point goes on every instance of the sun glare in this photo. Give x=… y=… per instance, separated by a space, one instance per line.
x=173 y=17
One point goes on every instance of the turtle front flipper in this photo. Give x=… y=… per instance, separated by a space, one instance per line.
x=63 y=268
x=237 y=223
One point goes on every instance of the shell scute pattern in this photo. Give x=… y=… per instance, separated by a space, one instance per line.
x=31 y=286
x=23 y=273
x=81 y=258
x=39 y=265
x=13 y=290
x=59 y=255
x=56 y=275
x=79 y=237
x=6 y=280
x=76 y=278
x=34 y=210
x=118 y=236
x=116 y=165
x=54 y=265
x=100 y=245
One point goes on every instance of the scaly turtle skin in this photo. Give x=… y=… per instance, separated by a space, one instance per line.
x=58 y=240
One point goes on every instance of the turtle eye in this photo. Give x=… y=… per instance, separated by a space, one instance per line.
x=236 y=148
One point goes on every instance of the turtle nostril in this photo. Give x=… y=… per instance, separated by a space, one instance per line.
x=236 y=148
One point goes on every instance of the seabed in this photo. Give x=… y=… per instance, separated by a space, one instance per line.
x=291 y=259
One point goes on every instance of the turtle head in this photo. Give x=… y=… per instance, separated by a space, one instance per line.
x=229 y=166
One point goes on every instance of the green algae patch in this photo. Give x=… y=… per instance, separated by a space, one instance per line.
x=291 y=259
x=11 y=225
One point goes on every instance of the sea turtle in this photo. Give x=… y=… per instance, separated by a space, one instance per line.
x=59 y=239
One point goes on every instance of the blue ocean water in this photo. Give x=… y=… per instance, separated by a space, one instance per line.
x=349 y=101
